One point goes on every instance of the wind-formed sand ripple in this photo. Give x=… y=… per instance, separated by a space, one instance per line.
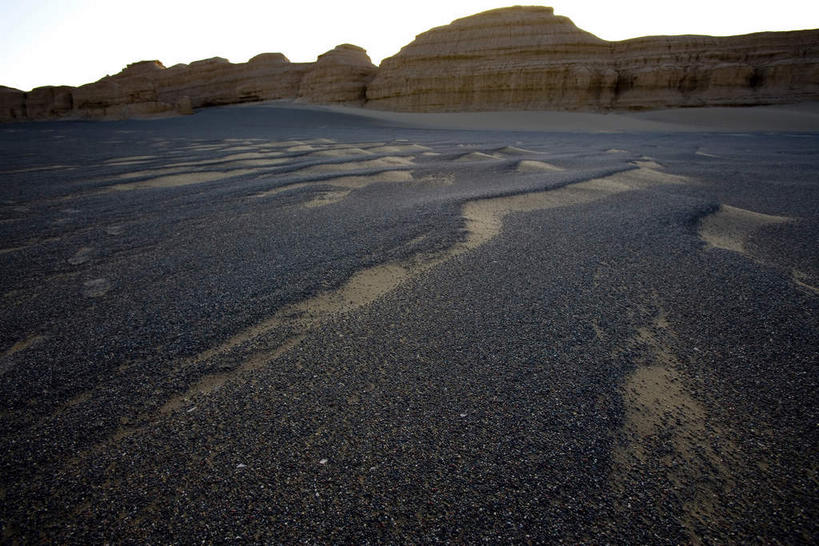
x=386 y=162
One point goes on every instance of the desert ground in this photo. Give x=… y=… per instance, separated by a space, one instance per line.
x=281 y=323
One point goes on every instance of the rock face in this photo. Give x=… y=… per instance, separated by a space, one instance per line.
x=12 y=104
x=512 y=59
x=49 y=102
x=519 y=58
x=149 y=88
x=132 y=92
x=761 y=68
x=528 y=58
x=339 y=76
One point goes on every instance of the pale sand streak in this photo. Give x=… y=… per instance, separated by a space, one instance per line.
x=529 y=166
x=483 y=221
x=658 y=404
x=731 y=227
x=175 y=180
x=380 y=163
x=349 y=182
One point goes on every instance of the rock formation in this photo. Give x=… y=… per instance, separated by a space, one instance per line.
x=519 y=58
x=12 y=104
x=528 y=58
x=49 y=101
x=338 y=76
x=511 y=59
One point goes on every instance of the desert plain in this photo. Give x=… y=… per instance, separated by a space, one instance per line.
x=282 y=323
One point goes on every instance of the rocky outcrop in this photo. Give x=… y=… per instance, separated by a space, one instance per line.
x=270 y=76
x=12 y=104
x=149 y=88
x=761 y=68
x=339 y=76
x=510 y=59
x=131 y=93
x=217 y=81
x=49 y=102
x=528 y=58
x=519 y=58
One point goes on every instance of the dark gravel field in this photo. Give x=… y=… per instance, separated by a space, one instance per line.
x=276 y=324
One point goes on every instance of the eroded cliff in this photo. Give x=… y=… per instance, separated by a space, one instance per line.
x=529 y=58
x=518 y=58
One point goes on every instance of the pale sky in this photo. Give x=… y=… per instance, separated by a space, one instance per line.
x=72 y=42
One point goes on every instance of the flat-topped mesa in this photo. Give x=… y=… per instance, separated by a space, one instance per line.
x=339 y=76
x=515 y=58
x=526 y=58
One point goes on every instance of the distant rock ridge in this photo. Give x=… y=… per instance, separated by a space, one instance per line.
x=526 y=58
x=517 y=58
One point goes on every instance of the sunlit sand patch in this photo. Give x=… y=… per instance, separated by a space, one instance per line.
x=529 y=166
x=81 y=256
x=514 y=150
x=23 y=345
x=204 y=147
x=802 y=279
x=340 y=152
x=272 y=158
x=483 y=221
x=478 y=156
x=131 y=158
x=363 y=144
x=348 y=182
x=646 y=163
x=12 y=249
x=37 y=169
x=241 y=148
x=176 y=180
x=96 y=288
x=212 y=382
x=302 y=148
x=484 y=217
x=353 y=183
x=327 y=198
x=250 y=155
x=258 y=163
x=149 y=172
x=439 y=179
x=731 y=227
x=380 y=163
x=660 y=408
x=276 y=144
x=399 y=149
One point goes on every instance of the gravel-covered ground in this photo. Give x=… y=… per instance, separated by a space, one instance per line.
x=280 y=324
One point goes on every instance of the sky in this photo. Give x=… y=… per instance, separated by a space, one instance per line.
x=72 y=42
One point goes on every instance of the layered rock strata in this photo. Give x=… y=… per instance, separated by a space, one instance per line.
x=339 y=76
x=149 y=88
x=529 y=58
x=519 y=58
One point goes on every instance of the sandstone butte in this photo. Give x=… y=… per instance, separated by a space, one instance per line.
x=517 y=58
